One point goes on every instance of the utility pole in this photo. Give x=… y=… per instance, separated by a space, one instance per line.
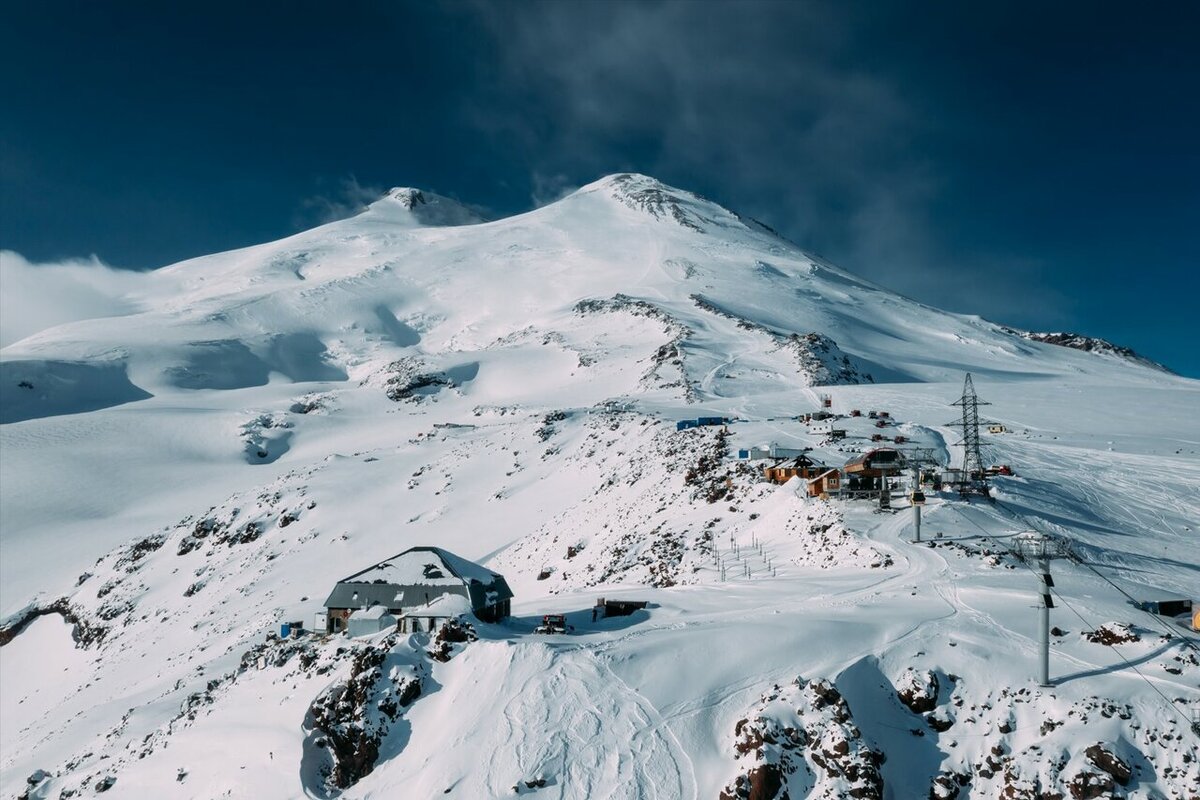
x=974 y=478
x=1039 y=549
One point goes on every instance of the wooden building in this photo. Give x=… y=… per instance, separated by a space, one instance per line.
x=827 y=483
x=800 y=467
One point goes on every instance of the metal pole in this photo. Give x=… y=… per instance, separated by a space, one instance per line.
x=917 y=520
x=1044 y=632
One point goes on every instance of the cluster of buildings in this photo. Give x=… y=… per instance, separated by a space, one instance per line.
x=864 y=475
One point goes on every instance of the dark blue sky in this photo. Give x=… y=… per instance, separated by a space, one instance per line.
x=1033 y=163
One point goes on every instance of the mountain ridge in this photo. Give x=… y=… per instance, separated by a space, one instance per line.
x=179 y=482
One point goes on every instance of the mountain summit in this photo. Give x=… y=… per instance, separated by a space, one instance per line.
x=730 y=308
x=405 y=205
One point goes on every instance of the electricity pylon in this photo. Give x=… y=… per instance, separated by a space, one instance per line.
x=973 y=478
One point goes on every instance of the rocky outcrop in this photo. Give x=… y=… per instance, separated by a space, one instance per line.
x=411 y=379
x=1113 y=633
x=84 y=631
x=643 y=193
x=1088 y=344
x=1104 y=759
x=821 y=361
x=668 y=355
x=918 y=690
x=354 y=715
x=801 y=741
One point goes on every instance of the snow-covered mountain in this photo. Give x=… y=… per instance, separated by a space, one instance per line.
x=269 y=420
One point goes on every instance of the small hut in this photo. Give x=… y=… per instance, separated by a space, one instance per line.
x=827 y=483
x=369 y=621
x=800 y=467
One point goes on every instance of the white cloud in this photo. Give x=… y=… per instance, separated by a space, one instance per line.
x=551 y=188
x=34 y=297
x=349 y=198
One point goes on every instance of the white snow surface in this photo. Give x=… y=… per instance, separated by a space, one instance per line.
x=261 y=423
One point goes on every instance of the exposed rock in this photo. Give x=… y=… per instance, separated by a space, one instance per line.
x=642 y=193
x=411 y=379
x=1090 y=785
x=1107 y=761
x=1113 y=633
x=821 y=361
x=1088 y=344
x=356 y=714
x=85 y=632
x=801 y=740
x=918 y=690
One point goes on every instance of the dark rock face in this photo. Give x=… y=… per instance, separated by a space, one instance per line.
x=409 y=379
x=802 y=741
x=659 y=201
x=1113 y=633
x=765 y=782
x=819 y=358
x=1088 y=344
x=356 y=714
x=1089 y=785
x=85 y=631
x=1107 y=761
x=918 y=691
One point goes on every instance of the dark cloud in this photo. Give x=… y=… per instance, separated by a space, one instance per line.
x=1017 y=160
x=767 y=106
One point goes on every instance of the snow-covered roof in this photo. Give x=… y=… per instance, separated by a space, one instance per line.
x=448 y=605
x=359 y=595
x=374 y=612
x=424 y=566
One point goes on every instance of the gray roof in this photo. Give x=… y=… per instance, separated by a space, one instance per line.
x=357 y=595
x=482 y=586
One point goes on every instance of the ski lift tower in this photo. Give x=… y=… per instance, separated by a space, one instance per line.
x=974 y=477
x=1038 y=549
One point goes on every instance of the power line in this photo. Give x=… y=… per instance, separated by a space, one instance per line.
x=1086 y=623
x=1158 y=622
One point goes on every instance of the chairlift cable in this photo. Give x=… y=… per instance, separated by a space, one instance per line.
x=1188 y=640
x=1088 y=624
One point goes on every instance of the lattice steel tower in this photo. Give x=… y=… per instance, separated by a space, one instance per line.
x=974 y=478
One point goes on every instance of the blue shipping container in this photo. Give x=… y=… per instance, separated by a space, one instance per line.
x=285 y=630
x=711 y=420
x=684 y=424
x=743 y=453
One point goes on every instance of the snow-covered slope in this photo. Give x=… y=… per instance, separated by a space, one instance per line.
x=272 y=419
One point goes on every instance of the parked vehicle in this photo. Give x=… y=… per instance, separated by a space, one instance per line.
x=553 y=623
